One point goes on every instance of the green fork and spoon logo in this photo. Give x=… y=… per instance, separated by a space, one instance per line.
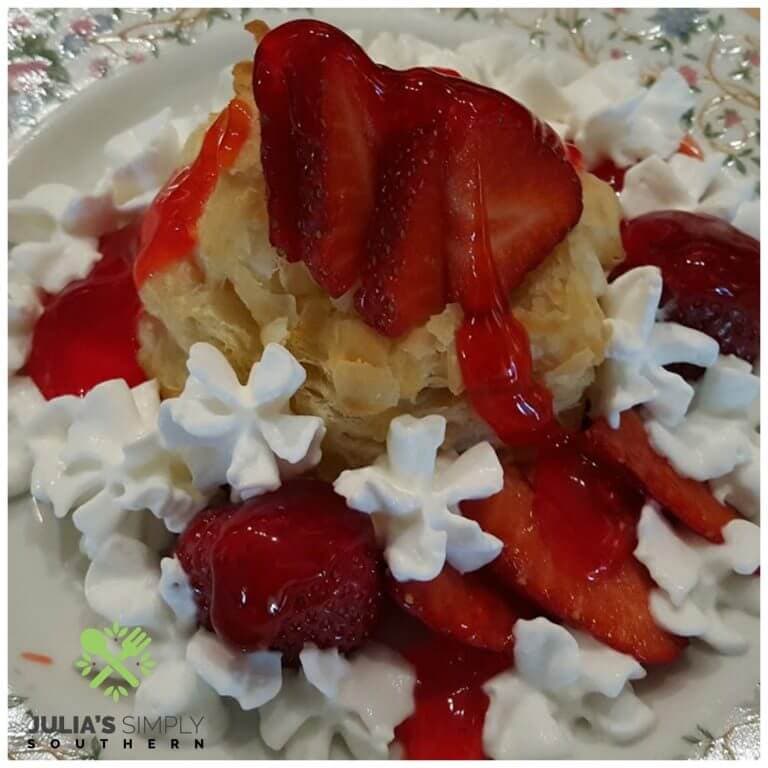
x=99 y=644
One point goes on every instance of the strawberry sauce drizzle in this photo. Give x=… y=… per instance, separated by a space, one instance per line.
x=169 y=231
x=447 y=723
x=87 y=332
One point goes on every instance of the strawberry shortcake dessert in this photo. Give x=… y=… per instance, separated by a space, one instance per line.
x=409 y=397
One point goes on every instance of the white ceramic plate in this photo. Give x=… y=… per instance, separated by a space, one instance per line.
x=46 y=607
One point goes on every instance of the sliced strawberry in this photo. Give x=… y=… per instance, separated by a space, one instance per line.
x=629 y=449
x=321 y=165
x=467 y=607
x=336 y=151
x=586 y=514
x=613 y=607
x=404 y=276
x=507 y=169
x=354 y=168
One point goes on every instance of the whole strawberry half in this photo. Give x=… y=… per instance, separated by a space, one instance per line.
x=711 y=275
x=291 y=567
x=388 y=180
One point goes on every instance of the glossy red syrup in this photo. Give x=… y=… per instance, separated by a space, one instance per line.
x=289 y=567
x=87 y=333
x=611 y=173
x=497 y=369
x=711 y=274
x=447 y=723
x=587 y=515
x=689 y=146
x=574 y=155
x=169 y=232
x=495 y=356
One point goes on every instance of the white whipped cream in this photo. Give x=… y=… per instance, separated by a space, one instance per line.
x=361 y=700
x=697 y=579
x=685 y=183
x=175 y=689
x=46 y=255
x=101 y=458
x=414 y=496
x=648 y=124
x=24 y=307
x=638 y=349
x=561 y=677
x=403 y=51
x=718 y=438
x=177 y=591
x=24 y=402
x=252 y=679
x=139 y=161
x=242 y=435
x=122 y=584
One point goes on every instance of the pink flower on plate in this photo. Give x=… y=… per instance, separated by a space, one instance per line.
x=617 y=53
x=99 y=67
x=690 y=74
x=82 y=27
x=23 y=75
x=21 y=22
x=753 y=58
x=731 y=117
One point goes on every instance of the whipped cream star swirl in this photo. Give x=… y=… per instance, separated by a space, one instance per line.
x=718 y=440
x=361 y=699
x=46 y=254
x=101 y=458
x=685 y=183
x=242 y=435
x=561 y=677
x=413 y=494
x=697 y=579
x=648 y=124
x=638 y=349
x=252 y=679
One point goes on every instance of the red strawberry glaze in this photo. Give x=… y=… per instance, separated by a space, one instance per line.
x=611 y=173
x=169 y=231
x=447 y=723
x=587 y=514
x=574 y=155
x=689 y=146
x=495 y=359
x=287 y=568
x=87 y=333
